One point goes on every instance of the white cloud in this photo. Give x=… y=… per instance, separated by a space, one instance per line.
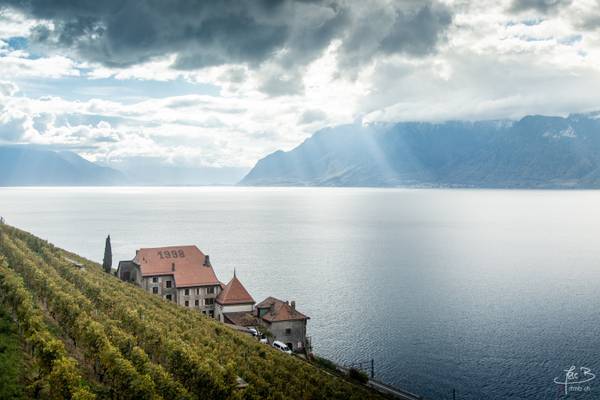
x=494 y=64
x=8 y=88
x=14 y=24
x=17 y=64
x=16 y=127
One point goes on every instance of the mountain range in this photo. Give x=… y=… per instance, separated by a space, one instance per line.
x=533 y=152
x=31 y=166
x=27 y=165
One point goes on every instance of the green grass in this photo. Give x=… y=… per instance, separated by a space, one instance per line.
x=12 y=365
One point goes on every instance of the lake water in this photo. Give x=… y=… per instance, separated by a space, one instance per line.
x=492 y=293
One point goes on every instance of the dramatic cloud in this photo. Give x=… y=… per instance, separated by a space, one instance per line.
x=393 y=28
x=120 y=33
x=220 y=84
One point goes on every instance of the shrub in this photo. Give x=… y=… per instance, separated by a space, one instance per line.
x=358 y=375
x=325 y=363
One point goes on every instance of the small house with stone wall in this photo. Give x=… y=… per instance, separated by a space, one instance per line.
x=285 y=323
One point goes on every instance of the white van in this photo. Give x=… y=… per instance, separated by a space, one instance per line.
x=281 y=347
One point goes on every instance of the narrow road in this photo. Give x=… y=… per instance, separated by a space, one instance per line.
x=397 y=393
x=386 y=389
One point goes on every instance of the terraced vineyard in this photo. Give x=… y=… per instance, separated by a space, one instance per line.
x=87 y=335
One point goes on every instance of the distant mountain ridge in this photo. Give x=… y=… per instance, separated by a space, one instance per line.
x=534 y=152
x=32 y=166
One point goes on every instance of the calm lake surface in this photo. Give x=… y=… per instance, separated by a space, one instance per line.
x=492 y=293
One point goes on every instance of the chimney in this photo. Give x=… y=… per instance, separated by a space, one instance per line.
x=172 y=266
x=293 y=305
x=207 y=261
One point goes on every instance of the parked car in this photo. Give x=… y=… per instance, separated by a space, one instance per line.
x=264 y=340
x=282 y=347
x=253 y=331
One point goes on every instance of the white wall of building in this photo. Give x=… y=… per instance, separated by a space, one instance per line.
x=222 y=309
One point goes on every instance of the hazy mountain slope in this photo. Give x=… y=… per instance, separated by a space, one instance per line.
x=28 y=166
x=536 y=151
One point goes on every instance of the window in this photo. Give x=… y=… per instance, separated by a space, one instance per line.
x=208 y=302
x=210 y=290
x=168 y=284
x=155 y=290
x=187 y=292
x=197 y=303
x=154 y=279
x=198 y=291
x=187 y=303
x=169 y=297
x=288 y=331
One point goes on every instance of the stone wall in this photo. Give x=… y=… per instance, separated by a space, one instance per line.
x=295 y=335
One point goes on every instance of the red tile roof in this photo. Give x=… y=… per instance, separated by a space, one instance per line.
x=185 y=263
x=279 y=310
x=234 y=293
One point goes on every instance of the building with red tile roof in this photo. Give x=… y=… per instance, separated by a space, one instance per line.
x=275 y=310
x=285 y=323
x=234 y=298
x=182 y=274
x=187 y=264
x=234 y=293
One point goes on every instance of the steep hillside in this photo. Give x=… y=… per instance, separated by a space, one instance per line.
x=30 y=166
x=92 y=336
x=535 y=152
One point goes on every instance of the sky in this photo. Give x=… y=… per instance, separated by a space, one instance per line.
x=221 y=84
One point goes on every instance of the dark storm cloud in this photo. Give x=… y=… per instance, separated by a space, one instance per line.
x=122 y=33
x=411 y=28
x=287 y=34
x=416 y=32
x=543 y=6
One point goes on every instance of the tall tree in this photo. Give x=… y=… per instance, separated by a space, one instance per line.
x=107 y=262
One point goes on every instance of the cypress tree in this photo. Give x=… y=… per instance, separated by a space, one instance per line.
x=107 y=262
